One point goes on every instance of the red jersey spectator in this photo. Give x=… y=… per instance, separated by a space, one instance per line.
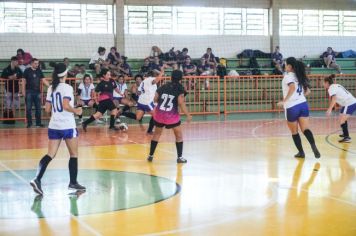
x=23 y=58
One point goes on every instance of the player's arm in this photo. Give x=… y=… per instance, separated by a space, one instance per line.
x=331 y=105
x=48 y=107
x=291 y=90
x=45 y=82
x=156 y=98
x=307 y=92
x=183 y=107
x=160 y=76
x=69 y=108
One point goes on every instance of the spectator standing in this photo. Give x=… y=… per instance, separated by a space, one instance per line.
x=98 y=60
x=329 y=59
x=13 y=74
x=23 y=58
x=189 y=68
x=33 y=77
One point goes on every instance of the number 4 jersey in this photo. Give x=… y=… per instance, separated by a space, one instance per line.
x=298 y=95
x=60 y=118
x=167 y=112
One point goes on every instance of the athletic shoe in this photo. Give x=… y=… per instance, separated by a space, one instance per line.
x=345 y=140
x=341 y=136
x=150 y=158
x=114 y=128
x=36 y=185
x=40 y=126
x=299 y=155
x=118 y=120
x=123 y=126
x=98 y=122
x=76 y=187
x=84 y=126
x=181 y=160
x=80 y=121
x=316 y=151
x=150 y=132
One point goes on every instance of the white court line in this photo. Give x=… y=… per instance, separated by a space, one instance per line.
x=75 y=218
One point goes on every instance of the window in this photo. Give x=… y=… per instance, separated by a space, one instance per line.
x=317 y=22
x=195 y=20
x=55 y=18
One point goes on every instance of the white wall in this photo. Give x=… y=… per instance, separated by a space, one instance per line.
x=45 y=46
x=203 y=3
x=314 y=46
x=139 y=46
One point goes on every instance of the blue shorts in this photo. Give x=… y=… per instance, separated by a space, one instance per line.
x=86 y=102
x=299 y=110
x=348 y=110
x=145 y=108
x=62 y=134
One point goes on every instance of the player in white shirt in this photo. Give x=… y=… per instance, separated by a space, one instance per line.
x=60 y=103
x=347 y=102
x=295 y=86
x=145 y=103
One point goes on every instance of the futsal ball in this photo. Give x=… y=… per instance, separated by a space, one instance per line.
x=123 y=127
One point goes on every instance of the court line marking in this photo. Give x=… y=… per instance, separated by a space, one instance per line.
x=75 y=218
x=328 y=141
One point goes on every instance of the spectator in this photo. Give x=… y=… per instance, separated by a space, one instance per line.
x=12 y=73
x=210 y=59
x=23 y=58
x=135 y=87
x=182 y=56
x=156 y=52
x=66 y=62
x=156 y=65
x=203 y=67
x=146 y=67
x=85 y=94
x=82 y=72
x=98 y=60
x=277 y=61
x=113 y=58
x=72 y=73
x=124 y=67
x=170 y=58
x=33 y=77
x=189 y=68
x=329 y=59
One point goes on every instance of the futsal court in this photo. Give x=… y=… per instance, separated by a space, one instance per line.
x=241 y=179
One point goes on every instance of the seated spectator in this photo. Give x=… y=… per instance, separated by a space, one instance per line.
x=182 y=56
x=23 y=58
x=203 y=68
x=156 y=65
x=85 y=94
x=189 y=68
x=12 y=88
x=277 y=61
x=67 y=63
x=72 y=73
x=329 y=59
x=98 y=60
x=122 y=97
x=82 y=72
x=170 y=58
x=113 y=58
x=156 y=52
x=146 y=67
x=124 y=68
x=210 y=59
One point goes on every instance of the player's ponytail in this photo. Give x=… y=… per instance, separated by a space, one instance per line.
x=330 y=79
x=299 y=70
x=59 y=72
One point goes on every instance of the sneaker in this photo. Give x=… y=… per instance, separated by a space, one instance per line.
x=149 y=132
x=150 y=158
x=76 y=187
x=345 y=140
x=36 y=185
x=114 y=128
x=316 y=151
x=341 y=135
x=80 y=121
x=299 y=155
x=40 y=126
x=181 y=160
x=123 y=127
x=118 y=120
x=98 y=122
x=84 y=126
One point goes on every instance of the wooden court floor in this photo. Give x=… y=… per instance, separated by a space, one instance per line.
x=240 y=179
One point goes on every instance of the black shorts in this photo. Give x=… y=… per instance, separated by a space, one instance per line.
x=92 y=66
x=106 y=105
x=171 y=126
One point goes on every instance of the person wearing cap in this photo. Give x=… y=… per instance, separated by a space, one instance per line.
x=169 y=98
x=33 y=78
x=60 y=103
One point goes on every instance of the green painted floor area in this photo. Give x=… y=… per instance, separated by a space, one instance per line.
x=107 y=191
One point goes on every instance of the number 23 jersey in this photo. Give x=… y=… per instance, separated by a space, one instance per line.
x=167 y=112
x=298 y=95
x=60 y=118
